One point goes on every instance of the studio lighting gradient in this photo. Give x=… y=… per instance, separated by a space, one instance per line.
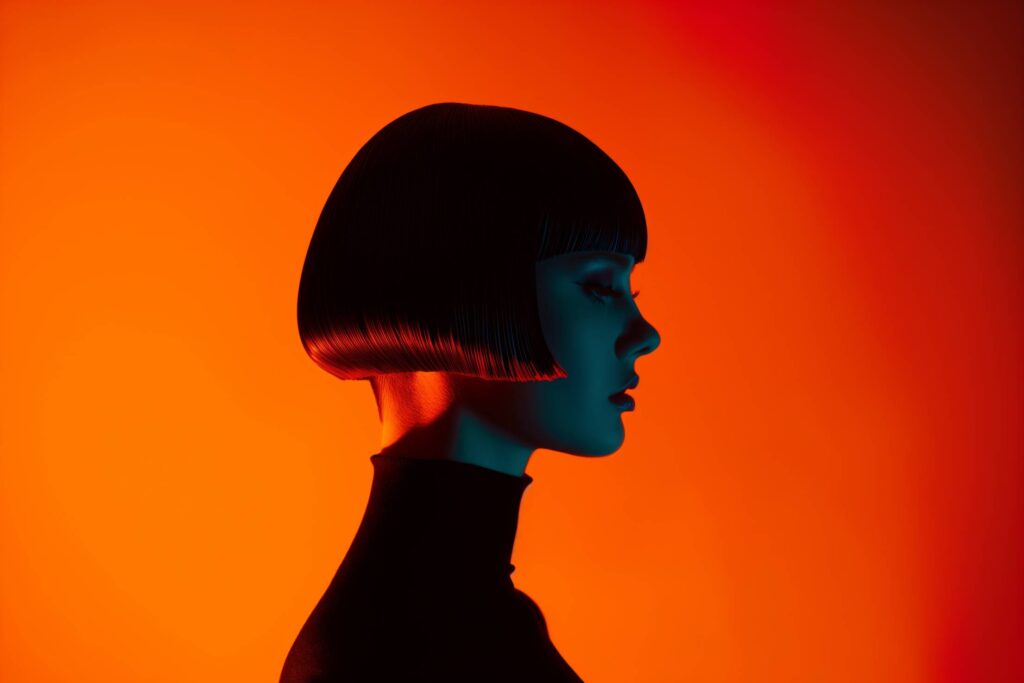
x=823 y=479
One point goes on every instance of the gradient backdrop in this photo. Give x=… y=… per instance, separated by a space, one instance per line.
x=823 y=477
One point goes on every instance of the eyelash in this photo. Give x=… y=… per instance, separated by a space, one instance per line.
x=592 y=286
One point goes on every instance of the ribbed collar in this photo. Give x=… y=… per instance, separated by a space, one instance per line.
x=439 y=519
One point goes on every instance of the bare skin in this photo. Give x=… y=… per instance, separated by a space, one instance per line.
x=595 y=334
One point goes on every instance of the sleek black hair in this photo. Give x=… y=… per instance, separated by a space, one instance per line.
x=423 y=258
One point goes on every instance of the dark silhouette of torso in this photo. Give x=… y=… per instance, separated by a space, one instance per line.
x=425 y=591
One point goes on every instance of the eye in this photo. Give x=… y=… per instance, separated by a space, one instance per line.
x=600 y=291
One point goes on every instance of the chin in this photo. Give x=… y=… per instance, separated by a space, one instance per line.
x=583 y=439
x=600 y=449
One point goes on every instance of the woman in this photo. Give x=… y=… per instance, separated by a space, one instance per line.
x=472 y=263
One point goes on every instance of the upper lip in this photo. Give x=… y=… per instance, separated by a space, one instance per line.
x=631 y=384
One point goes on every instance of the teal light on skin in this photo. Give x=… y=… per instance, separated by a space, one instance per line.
x=593 y=328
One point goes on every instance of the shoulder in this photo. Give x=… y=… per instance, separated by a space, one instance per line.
x=305 y=662
x=331 y=635
x=349 y=634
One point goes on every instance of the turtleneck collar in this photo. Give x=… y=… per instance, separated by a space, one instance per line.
x=439 y=518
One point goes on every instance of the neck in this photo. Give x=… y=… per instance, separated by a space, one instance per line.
x=425 y=415
x=447 y=520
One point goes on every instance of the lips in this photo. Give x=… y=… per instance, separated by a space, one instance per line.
x=623 y=400
x=631 y=384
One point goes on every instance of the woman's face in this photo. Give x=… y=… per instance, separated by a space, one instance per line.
x=595 y=331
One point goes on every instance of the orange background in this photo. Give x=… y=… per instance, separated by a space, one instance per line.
x=823 y=477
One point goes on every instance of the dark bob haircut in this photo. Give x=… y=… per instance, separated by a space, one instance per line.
x=423 y=258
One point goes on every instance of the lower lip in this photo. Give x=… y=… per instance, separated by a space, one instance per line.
x=623 y=400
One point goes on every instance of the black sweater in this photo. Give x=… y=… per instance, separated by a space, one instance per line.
x=425 y=591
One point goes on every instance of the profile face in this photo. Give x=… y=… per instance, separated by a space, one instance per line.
x=594 y=329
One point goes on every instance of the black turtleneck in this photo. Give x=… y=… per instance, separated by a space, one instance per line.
x=425 y=591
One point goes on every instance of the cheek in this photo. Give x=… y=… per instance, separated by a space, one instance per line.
x=565 y=417
x=573 y=329
x=574 y=414
x=583 y=343
x=586 y=352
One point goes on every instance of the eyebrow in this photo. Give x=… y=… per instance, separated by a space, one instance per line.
x=620 y=260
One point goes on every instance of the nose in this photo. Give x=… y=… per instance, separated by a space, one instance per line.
x=652 y=339
x=641 y=338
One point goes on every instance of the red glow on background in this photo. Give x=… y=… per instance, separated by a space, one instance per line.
x=823 y=477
